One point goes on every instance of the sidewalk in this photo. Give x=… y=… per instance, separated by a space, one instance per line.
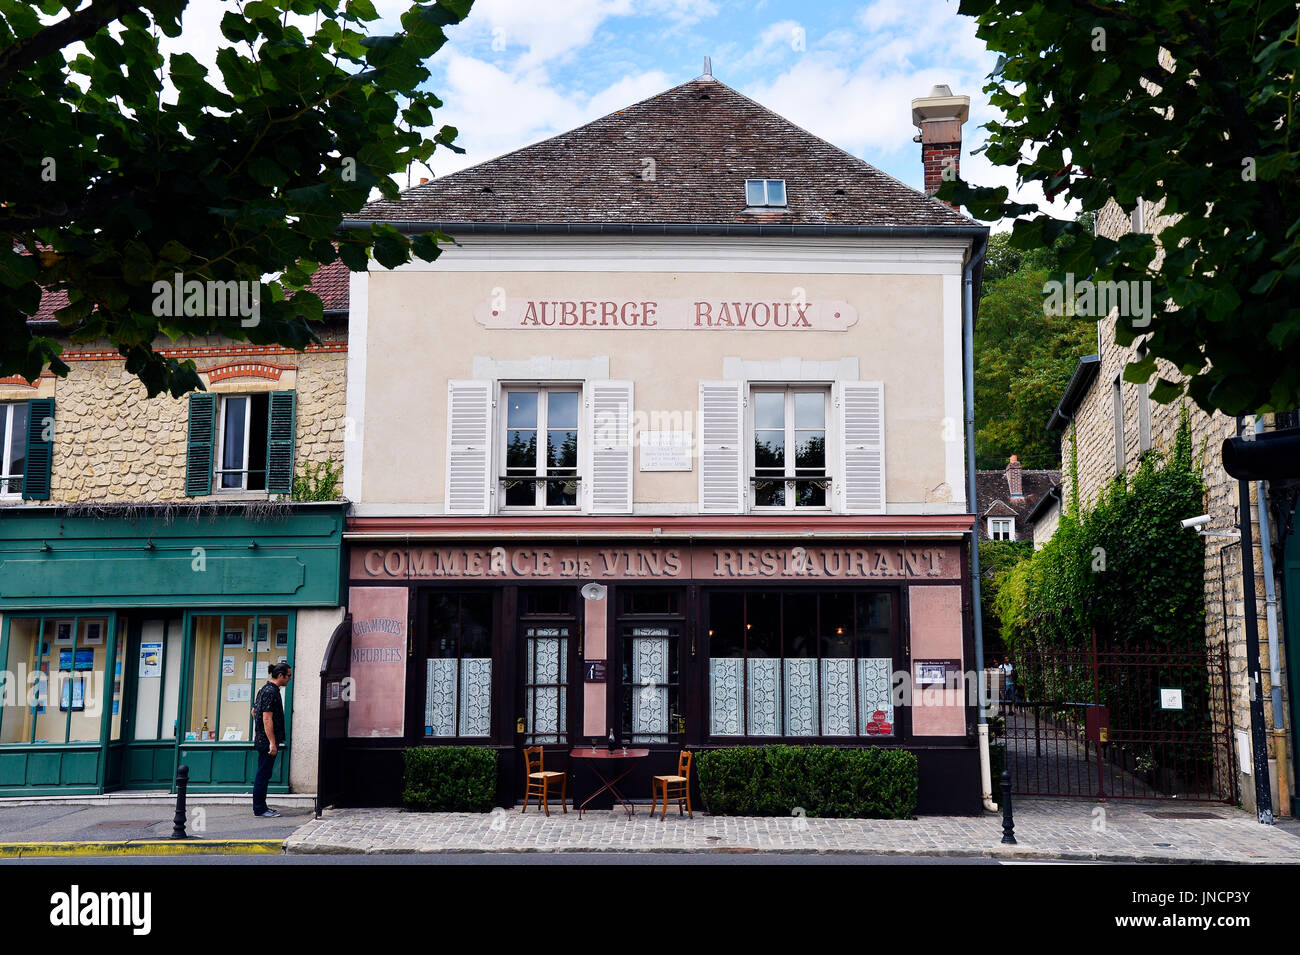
x=142 y=826
x=1045 y=829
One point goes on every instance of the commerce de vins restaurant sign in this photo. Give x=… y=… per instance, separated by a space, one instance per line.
x=871 y=562
x=667 y=313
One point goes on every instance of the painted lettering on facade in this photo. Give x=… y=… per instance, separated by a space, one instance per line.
x=871 y=562
x=672 y=313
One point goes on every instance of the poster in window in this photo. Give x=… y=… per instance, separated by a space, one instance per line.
x=94 y=634
x=150 y=660
x=85 y=660
x=282 y=639
x=263 y=637
x=227 y=666
x=63 y=631
x=74 y=692
x=233 y=637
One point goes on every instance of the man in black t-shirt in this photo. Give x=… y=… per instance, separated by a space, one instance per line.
x=268 y=734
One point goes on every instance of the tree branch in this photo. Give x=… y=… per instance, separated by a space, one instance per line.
x=81 y=25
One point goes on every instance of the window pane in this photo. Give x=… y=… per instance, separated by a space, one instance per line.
x=232 y=448
x=521 y=409
x=208 y=646
x=875 y=649
x=546 y=684
x=258 y=422
x=562 y=449
x=837 y=625
x=17 y=448
x=241 y=670
x=754 y=192
x=562 y=409
x=769 y=451
x=726 y=650
x=82 y=683
x=775 y=192
x=769 y=410
x=810 y=410
x=649 y=678
x=24 y=701
x=562 y=493
x=521 y=451
x=810 y=450
x=476 y=625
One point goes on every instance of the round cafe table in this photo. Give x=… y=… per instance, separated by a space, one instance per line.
x=598 y=758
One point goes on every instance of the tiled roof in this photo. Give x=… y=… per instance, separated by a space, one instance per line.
x=993 y=497
x=330 y=282
x=705 y=140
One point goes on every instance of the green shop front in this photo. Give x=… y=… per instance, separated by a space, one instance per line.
x=135 y=641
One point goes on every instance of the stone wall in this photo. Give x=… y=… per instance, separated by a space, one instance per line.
x=1094 y=430
x=113 y=444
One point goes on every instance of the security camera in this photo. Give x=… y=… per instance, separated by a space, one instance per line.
x=1197 y=521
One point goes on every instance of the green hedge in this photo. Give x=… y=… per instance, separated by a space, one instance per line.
x=824 y=781
x=450 y=779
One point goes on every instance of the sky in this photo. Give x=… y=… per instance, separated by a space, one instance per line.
x=519 y=71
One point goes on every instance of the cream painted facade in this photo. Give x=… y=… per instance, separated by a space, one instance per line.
x=413 y=330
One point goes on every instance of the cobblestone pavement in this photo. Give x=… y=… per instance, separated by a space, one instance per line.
x=1045 y=828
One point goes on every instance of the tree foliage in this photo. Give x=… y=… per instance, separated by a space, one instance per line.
x=1093 y=111
x=125 y=166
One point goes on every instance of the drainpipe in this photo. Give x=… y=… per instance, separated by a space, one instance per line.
x=1274 y=660
x=1258 y=741
x=968 y=342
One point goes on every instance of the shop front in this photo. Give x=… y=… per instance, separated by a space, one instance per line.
x=682 y=638
x=135 y=643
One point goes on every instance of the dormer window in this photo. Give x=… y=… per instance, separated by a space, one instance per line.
x=765 y=192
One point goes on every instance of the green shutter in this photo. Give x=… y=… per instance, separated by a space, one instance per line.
x=198 y=456
x=279 y=442
x=40 y=449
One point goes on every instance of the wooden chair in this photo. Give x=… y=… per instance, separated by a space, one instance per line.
x=539 y=781
x=676 y=788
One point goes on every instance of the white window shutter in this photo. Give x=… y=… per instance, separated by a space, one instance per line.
x=609 y=423
x=862 y=447
x=470 y=481
x=722 y=447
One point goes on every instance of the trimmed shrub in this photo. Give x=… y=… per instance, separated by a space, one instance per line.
x=824 y=781
x=450 y=779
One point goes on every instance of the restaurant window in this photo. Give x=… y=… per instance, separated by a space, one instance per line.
x=547 y=622
x=789 y=428
x=232 y=654
x=800 y=664
x=541 y=446
x=458 y=669
x=649 y=675
x=60 y=685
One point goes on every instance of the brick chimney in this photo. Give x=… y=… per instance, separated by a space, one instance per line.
x=1013 y=478
x=939 y=116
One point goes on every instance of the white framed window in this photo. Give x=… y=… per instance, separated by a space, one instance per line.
x=1002 y=528
x=540 y=444
x=242 y=422
x=765 y=192
x=13 y=448
x=789 y=457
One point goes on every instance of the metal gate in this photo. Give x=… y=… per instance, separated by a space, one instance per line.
x=1120 y=724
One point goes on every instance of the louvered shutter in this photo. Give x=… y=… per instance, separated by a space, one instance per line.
x=40 y=449
x=862 y=443
x=609 y=422
x=722 y=447
x=469 y=447
x=281 y=423
x=198 y=454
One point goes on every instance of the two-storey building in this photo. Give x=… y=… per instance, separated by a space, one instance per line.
x=668 y=445
x=154 y=559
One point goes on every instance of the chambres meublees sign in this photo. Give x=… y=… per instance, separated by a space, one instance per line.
x=795 y=314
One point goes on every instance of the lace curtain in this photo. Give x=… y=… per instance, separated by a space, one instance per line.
x=545 y=706
x=452 y=684
x=800 y=696
x=650 y=679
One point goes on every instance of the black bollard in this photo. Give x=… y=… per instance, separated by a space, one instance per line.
x=178 y=821
x=1008 y=824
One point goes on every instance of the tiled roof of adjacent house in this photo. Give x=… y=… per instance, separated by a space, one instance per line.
x=993 y=497
x=705 y=140
x=330 y=282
